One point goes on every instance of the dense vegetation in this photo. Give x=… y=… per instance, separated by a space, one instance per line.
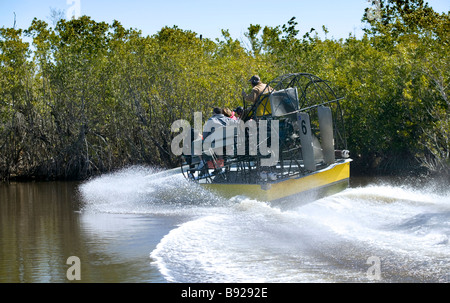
x=88 y=97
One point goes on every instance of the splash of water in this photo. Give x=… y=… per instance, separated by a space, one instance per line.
x=143 y=190
x=328 y=240
x=243 y=240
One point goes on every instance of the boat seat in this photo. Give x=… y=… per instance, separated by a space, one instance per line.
x=284 y=102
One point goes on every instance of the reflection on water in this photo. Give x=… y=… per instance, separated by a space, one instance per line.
x=38 y=229
x=41 y=226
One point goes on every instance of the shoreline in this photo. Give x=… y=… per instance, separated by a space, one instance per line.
x=356 y=170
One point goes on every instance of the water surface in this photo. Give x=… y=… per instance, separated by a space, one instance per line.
x=142 y=225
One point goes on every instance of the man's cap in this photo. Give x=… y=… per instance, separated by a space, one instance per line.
x=254 y=78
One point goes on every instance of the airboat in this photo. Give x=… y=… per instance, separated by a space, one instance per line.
x=289 y=146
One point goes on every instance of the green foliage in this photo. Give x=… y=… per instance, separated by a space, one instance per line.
x=94 y=97
x=89 y=97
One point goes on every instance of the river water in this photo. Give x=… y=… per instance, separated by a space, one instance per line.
x=142 y=225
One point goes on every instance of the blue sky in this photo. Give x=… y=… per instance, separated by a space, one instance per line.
x=206 y=17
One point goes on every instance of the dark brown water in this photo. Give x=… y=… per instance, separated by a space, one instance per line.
x=41 y=227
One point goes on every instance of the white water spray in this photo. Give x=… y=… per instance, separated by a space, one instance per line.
x=243 y=240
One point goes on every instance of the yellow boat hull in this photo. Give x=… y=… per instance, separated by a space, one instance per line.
x=312 y=186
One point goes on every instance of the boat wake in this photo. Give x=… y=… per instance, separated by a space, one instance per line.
x=241 y=240
x=144 y=190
